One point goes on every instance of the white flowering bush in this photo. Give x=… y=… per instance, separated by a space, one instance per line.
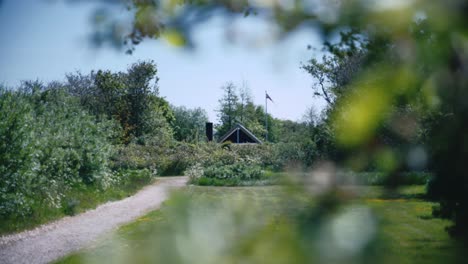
x=194 y=172
x=48 y=144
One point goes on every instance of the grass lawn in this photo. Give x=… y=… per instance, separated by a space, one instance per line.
x=274 y=225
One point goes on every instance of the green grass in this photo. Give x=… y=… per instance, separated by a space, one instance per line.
x=266 y=225
x=408 y=230
x=75 y=201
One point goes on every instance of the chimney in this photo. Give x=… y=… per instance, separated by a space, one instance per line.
x=209 y=131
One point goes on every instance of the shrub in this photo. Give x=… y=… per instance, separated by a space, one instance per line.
x=130 y=176
x=172 y=160
x=286 y=154
x=48 y=144
x=195 y=172
x=70 y=206
x=135 y=156
x=226 y=167
x=239 y=170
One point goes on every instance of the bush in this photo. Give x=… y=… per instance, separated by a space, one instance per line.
x=134 y=156
x=135 y=176
x=172 y=160
x=70 y=206
x=239 y=171
x=229 y=166
x=287 y=154
x=48 y=144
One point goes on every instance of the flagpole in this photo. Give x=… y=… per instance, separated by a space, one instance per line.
x=266 y=116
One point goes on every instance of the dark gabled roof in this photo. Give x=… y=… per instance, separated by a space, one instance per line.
x=240 y=127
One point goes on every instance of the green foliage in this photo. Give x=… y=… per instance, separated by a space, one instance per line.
x=189 y=124
x=70 y=206
x=176 y=159
x=295 y=154
x=138 y=94
x=240 y=171
x=228 y=110
x=301 y=144
x=57 y=158
x=171 y=160
x=231 y=165
x=49 y=144
x=129 y=177
x=129 y=97
x=135 y=156
x=236 y=106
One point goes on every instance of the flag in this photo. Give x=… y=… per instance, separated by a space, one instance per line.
x=268 y=97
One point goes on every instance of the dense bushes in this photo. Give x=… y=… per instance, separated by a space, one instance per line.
x=170 y=160
x=233 y=174
x=230 y=164
x=58 y=159
x=179 y=156
x=48 y=144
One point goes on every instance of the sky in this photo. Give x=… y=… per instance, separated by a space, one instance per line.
x=44 y=40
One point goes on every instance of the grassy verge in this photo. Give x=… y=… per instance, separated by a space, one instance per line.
x=78 y=199
x=195 y=227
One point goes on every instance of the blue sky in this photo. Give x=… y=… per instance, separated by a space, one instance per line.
x=46 y=39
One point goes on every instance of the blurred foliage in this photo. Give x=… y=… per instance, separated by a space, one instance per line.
x=338 y=66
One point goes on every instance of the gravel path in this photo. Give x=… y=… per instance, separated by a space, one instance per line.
x=52 y=241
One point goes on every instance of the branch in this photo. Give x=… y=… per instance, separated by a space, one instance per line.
x=325 y=94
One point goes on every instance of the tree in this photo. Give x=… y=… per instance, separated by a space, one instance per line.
x=245 y=103
x=240 y=108
x=310 y=117
x=189 y=124
x=228 y=109
x=131 y=97
x=139 y=90
x=108 y=95
x=339 y=66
